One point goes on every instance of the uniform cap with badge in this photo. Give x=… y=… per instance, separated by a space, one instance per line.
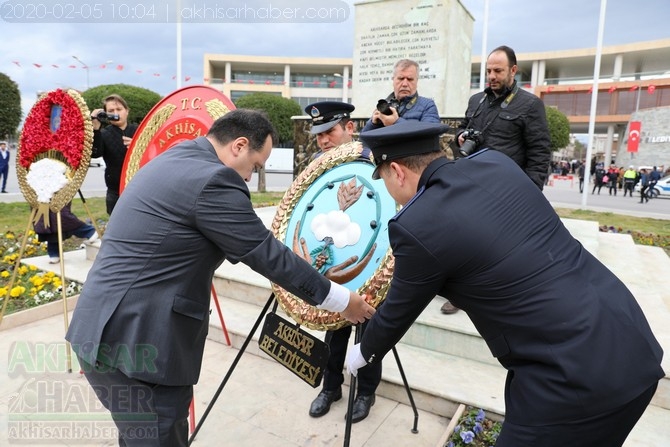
x=401 y=140
x=326 y=114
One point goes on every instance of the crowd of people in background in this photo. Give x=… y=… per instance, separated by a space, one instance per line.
x=613 y=178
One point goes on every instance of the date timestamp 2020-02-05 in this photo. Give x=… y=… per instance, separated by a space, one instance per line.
x=15 y=11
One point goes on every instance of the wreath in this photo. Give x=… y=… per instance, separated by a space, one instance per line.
x=375 y=286
x=54 y=151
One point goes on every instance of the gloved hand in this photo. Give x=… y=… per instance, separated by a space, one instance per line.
x=355 y=360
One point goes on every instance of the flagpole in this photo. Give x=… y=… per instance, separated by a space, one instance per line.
x=482 y=67
x=594 y=97
x=178 y=44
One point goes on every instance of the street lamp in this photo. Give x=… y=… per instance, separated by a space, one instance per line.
x=85 y=68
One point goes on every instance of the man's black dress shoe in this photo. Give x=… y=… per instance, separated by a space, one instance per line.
x=321 y=405
x=362 y=406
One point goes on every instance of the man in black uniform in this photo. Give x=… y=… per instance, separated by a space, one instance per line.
x=582 y=361
x=332 y=125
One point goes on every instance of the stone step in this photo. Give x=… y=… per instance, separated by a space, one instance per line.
x=438 y=381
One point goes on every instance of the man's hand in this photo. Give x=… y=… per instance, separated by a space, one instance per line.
x=94 y=118
x=387 y=120
x=355 y=360
x=358 y=310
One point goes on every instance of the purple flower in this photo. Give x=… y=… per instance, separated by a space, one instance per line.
x=467 y=436
x=478 y=428
x=480 y=415
x=457 y=429
x=451 y=444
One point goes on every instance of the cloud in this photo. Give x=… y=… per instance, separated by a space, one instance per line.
x=337 y=225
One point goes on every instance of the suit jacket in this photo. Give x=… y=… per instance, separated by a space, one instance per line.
x=144 y=308
x=4 y=162
x=571 y=335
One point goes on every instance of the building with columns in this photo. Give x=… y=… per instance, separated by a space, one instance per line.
x=633 y=77
x=303 y=79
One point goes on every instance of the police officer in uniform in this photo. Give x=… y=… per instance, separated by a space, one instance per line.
x=582 y=361
x=333 y=127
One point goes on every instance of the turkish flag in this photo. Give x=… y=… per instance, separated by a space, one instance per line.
x=651 y=89
x=633 y=88
x=634 y=135
x=611 y=90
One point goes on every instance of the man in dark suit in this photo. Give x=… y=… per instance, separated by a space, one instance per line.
x=4 y=164
x=140 y=323
x=582 y=361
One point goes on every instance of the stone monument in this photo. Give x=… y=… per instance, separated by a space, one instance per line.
x=435 y=33
x=653 y=139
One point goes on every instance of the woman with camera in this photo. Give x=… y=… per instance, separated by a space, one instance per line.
x=111 y=142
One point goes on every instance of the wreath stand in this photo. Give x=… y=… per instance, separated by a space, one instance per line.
x=352 y=385
x=17 y=264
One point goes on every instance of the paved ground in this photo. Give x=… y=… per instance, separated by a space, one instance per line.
x=263 y=404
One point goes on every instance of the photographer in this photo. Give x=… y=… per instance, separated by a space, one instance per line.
x=111 y=142
x=506 y=118
x=404 y=103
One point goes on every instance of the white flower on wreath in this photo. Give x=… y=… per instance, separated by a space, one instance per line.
x=47 y=177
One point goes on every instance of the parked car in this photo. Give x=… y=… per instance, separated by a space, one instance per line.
x=661 y=189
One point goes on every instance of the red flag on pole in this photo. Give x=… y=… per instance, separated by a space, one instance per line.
x=119 y=67
x=590 y=90
x=633 y=88
x=611 y=90
x=651 y=89
x=634 y=135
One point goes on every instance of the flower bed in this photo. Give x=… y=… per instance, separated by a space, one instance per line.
x=32 y=287
x=474 y=429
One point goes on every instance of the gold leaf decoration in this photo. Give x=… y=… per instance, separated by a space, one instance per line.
x=348 y=194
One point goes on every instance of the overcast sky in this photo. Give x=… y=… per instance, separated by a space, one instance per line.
x=144 y=54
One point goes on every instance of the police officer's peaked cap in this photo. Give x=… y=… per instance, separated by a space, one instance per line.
x=326 y=114
x=402 y=139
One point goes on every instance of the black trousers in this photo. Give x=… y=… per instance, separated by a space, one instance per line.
x=146 y=415
x=368 y=377
x=604 y=430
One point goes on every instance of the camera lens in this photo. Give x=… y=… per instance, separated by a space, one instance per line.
x=467 y=147
x=384 y=107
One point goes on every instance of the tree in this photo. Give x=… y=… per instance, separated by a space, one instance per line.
x=279 y=110
x=559 y=128
x=10 y=111
x=140 y=100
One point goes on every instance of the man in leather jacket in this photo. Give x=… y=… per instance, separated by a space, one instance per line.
x=510 y=119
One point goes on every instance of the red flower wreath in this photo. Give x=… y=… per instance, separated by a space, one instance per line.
x=37 y=136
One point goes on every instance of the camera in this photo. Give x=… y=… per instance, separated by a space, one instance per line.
x=473 y=139
x=105 y=117
x=384 y=106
